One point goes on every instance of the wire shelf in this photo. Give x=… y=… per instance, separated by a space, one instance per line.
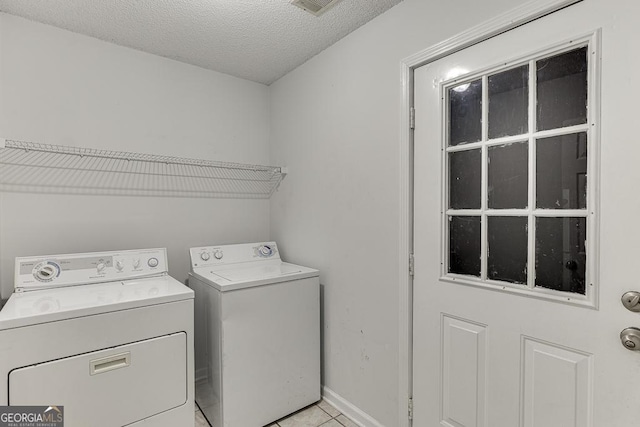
x=46 y=168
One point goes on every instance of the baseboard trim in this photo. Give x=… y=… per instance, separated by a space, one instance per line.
x=351 y=411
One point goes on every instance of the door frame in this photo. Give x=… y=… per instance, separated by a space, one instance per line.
x=502 y=23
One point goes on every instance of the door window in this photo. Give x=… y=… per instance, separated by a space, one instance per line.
x=519 y=207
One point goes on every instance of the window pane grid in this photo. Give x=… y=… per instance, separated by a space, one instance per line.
x=561 y=177
x=531 y=212
x=465 y=147
x=485 y=110
x=483 y=206
x=531 y=222
x=562 y=82
x=522 y=138
x=565 y=213
x=507 y=179
x=561 y=131
x=507 y=251
x=464 y=212
x=484 y=247
x=558 y=213
x=508 y=102
x=561 y=250
x=465 y=179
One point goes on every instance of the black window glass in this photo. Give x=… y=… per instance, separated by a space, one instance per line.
x=465 y=113
x=509 y=102
x=562 y=90
x=508 y=178
x=561 y=172
x=464 y=245
x=507 y=251
x=560 y=254
x=465 y=179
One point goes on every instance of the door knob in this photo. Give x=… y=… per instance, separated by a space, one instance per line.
x=630 y=338
x=631 y=300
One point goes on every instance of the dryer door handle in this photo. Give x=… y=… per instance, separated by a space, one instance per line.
x=110 y=363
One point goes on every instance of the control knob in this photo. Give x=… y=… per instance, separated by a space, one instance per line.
x=46 y=271
x=153 y=262
x=119 y=265
x=136 y=263
x=205 y=256
x=100 y=267
x=218 y=254
x=265 y=251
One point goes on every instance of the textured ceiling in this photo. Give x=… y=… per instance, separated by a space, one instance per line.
x=259 y=40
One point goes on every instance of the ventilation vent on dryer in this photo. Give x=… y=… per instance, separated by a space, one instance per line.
x=315 y=7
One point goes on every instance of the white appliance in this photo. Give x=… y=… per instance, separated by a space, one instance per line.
x=257 y=334
x=108 y=336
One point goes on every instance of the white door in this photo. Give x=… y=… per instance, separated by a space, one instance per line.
x=526 y=227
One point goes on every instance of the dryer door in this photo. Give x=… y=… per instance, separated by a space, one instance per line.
x=111 y=387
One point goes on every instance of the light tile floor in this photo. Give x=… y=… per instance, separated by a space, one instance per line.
x=316 y=415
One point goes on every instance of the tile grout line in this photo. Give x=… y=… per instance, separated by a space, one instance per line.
x=332 y=418
x=277 y=424
x=322 y=409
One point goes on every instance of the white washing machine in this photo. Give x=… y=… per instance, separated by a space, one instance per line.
x=108 y=336
x=257 y=334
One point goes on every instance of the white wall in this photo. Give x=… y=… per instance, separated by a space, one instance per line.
x=335 y=124
x=63 y=88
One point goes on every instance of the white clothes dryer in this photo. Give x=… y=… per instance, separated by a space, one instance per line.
x=108 y=336
x=257 y=334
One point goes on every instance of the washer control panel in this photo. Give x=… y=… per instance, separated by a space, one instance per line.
x=232 y=254
x=41 y=272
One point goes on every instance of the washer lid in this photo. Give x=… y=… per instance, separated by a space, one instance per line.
x=50 y=305
x=249 y=274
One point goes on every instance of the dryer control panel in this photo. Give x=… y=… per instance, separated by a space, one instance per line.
x=43 y=272
x=207 y=256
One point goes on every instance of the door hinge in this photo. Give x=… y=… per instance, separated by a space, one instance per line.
x=411 y=408
x=412 y=118
x=411 y=264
